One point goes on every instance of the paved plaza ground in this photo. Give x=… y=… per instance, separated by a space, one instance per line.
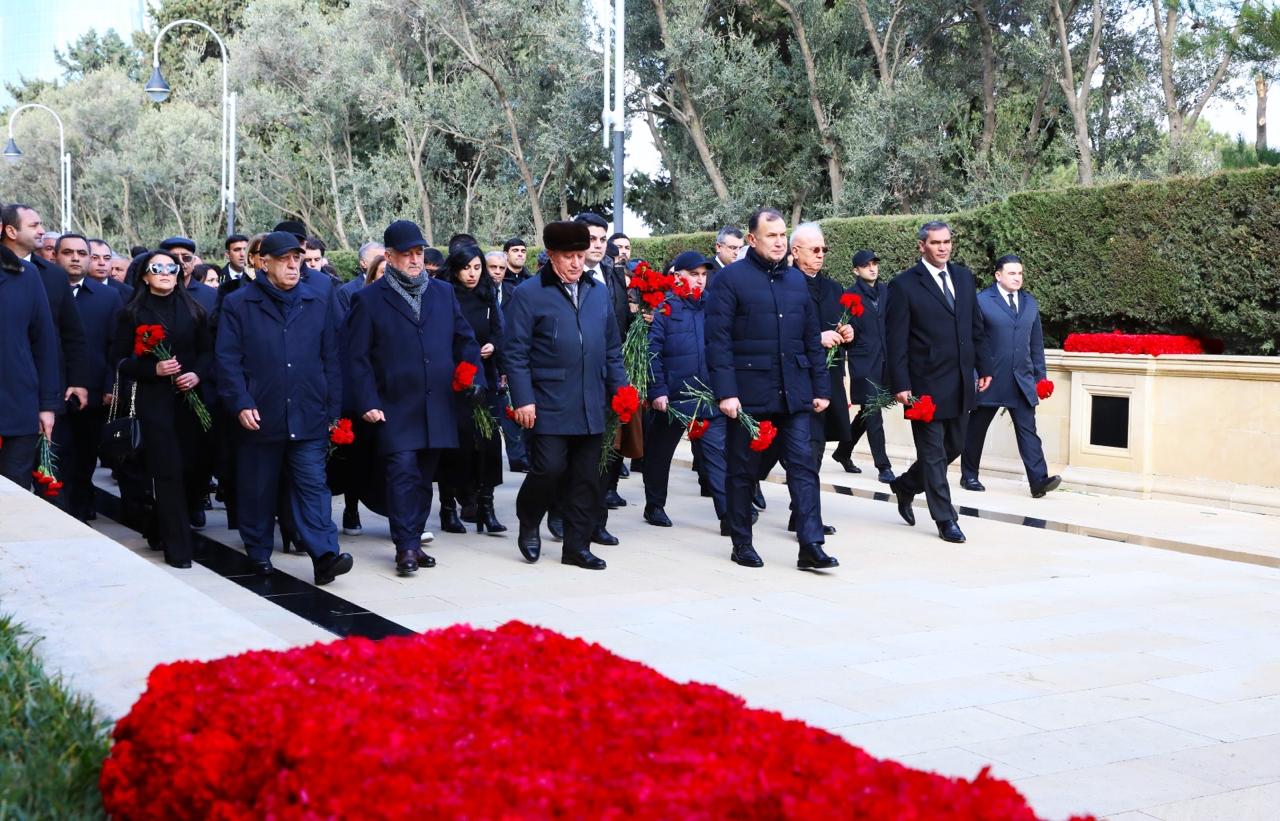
x=1105 y=654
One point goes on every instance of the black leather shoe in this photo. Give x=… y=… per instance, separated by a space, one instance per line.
x=813 y=557
x=829 y=530
x=746 y=556
x=555 y=523
x=197 y=519
x=181 y=564
x=656 y=516
x=1050 y=485
x=604 y=537
x=972 y=484
x=848 y=465
x=950 y=532
x=424 y=560
x=260 y=568
x=530 y=542
x=758 y=498
x=613 y=501
x=887 y=476
x=904 y=506
x=332 y=565
x=406 y=562
x=586 y=560
x=449 y=520
x=623 y=471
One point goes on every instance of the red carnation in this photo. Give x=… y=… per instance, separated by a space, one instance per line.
x=652 y=298
x=921 y=410
x=852 y=303
x=681 y=289
x=697 y=427
x=463 y=375
x=666 y=308
x=1044 y=389
x=625 y=403
x=511 y=414
x=695 y=293
x=341 y=433
x=765 y=437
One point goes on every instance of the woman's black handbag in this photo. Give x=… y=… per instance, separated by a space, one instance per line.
x=121 y=436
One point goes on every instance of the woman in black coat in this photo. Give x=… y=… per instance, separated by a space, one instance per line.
x=171 y=433
x=475 y=468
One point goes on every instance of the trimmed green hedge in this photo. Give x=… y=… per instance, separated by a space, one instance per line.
x=1184 y=255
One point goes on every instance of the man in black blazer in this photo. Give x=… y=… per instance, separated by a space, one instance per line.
x=867 y=365
x=936 y=342
x=1012 y=317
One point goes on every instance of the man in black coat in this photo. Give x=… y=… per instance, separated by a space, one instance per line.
x=100 y=261
x=237 y=248
x=30 y=384
x=765 y=357
x=867 y=365
x=516 y=252
x=936 y=342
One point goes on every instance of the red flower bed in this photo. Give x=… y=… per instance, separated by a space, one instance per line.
x=516 y=722
x=1154 y=344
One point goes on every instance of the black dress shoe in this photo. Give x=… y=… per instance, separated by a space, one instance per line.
x=813 y=557
x=425 y=560
x=1050 y=485
x=746 y=556
x=829 y=530
x=332 y=565
x=950 y=532
x=623 y=471
x=848 y=465
x=529 y=542
x=406 y=562
x=757 y=498
x=604 y=537
x=197 y=519
x=972 y=484
x=904 y=506
x=586 y=560
x=656 y=516
x=555 y=524
x=887 y=476
x=181 y=564
x=260 y=568
x=613 y=501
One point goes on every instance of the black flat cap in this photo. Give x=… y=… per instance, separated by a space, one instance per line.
x=864 y=257
x=403 y=235
x=178 y=242
x=566 y=236
x=293 y=227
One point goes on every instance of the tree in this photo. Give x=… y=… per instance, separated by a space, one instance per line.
x=1077 y=93
x=1260 y=45
x=90 y=53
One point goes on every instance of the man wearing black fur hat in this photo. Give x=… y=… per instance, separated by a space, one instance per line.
x=564 y=362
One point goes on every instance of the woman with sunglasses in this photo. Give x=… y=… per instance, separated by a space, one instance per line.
x=171 y=434
x=475 y=468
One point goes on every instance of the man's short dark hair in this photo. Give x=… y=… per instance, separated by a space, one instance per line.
x=462 y=241
x=99 y=241
x=514 y=242
x=930 y=227
x=726 y=232
x=619 y=235
x=232 y=240
x=432 y=256
x=592 y=219
x=763 y=215
x=1007 y=259
x=57 y=246
x=11 y=214
x=314 y=244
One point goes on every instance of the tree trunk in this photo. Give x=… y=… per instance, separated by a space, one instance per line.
x=1030 y=148
x=834 y=171
x=1260 y=119
x=1183 y=117
x=987 y=40
x=1078 y=99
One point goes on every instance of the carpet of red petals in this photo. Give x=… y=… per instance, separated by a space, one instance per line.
x=514 y=722
x=1154 y=344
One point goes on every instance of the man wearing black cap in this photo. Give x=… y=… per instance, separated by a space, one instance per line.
x=516 y=252
x=184 y=253
x=311 y=277
x=404 y=336
x=867 y=365
x=278 y=372
x=564 y=363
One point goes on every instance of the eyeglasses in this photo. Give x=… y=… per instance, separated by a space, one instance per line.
x=185 y=259
x=817 y=249
x=163 y=268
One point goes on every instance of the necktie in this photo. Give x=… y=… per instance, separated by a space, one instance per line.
x=1013 y=304
x=75 y=291
x=572 y=289
x=946 y=290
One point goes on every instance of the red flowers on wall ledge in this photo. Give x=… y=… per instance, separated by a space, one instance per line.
x=1153 y=344
x=517 y=722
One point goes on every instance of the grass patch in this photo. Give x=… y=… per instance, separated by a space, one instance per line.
x=52 y=743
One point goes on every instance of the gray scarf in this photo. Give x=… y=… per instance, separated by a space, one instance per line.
x=409 y=288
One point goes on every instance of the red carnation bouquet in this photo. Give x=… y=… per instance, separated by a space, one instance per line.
x=44 y=474
x=918 y=409
x=1044 y=389
x=624 y=405
x=852 y=304
x=698 y=427
x=340 y=433
x=464 y=377
x=762 y=433
x=149 y=339
x=651 y=288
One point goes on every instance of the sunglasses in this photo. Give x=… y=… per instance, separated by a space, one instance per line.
x=163 y=268
x=817 y=249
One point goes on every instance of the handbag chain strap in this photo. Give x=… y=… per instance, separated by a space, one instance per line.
x=115 y=397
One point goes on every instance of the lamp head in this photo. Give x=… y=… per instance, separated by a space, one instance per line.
x=11 y=152
x=157 y=87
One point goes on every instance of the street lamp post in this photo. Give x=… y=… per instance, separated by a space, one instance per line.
x=12 y=154
x=617 y=117
x=157 y=89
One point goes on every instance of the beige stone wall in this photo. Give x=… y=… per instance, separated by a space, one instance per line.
x=1204 y=428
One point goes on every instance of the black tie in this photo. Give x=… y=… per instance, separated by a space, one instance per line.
x=1013 y=304
x=946 y=290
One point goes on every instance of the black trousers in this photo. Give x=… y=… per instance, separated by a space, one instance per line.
x=938 y=443
x=873 y=426
x=18 y=458
x=1024 y=430
x=84 y=430
x=564 y=472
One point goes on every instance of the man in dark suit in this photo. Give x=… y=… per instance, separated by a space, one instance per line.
x=404 y=336
x=728 y=243
x=564 y=363
x=936 y=341
x=237 y=248
x=30 y=382
x=100 y=259
x=1012 y=318
x=867 y=365
x=765 y=357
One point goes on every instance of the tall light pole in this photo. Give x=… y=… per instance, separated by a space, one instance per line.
x=12 y=154
x=157 y=89
x=617 y=117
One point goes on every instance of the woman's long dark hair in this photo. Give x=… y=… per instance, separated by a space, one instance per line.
x=460 y=259
x=140 y=290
